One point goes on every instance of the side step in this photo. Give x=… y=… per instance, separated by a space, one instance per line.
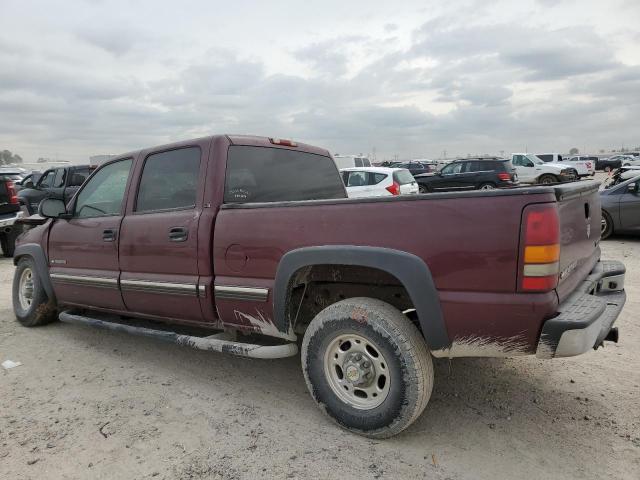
x=214 y=343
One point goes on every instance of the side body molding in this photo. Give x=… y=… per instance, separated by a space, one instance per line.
x=409 y=269
x=36 y=252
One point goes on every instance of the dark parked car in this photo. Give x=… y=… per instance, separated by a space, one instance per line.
x=610 y=163
x=470 y=174
x=621 y=208
x=61 y=183
x=415 y=167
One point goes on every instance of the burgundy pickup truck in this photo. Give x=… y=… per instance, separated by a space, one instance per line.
x=253 y=241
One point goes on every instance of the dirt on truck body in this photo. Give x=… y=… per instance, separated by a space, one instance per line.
x=222 y=233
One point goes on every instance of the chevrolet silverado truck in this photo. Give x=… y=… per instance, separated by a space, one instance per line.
x=253 y=241
x=9 y=213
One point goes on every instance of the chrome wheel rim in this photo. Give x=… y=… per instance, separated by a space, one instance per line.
x=603 y=225
x=356 y=371
x=25 y=289
x=487 y=187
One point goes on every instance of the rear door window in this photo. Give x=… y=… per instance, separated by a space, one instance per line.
x=358 y=179
x=366 y=162
x=169 y=180
x=265 y=174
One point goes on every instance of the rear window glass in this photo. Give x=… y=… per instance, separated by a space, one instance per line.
x=263 y=174
x=403 y=177
x=378 y=177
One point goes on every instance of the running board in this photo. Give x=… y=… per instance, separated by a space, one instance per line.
x=213 y=343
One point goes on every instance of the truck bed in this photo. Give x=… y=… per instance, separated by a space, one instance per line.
x=469 y=241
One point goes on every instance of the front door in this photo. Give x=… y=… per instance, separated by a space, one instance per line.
x=449 y=178
x=83 y=251
x=159 y=241
x=525 y=169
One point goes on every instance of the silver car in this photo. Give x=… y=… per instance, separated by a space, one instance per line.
x=621 y=208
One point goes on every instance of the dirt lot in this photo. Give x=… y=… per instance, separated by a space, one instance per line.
x=95 y=404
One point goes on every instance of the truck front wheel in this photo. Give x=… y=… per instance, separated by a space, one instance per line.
x=367 y=367
x=31 y=305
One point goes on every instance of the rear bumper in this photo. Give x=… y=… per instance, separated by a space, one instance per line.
x=587 y=316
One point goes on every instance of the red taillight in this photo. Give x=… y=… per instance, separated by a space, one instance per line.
x=394 y=189
x=11 y=192
x=284 y=142
x=540 y=254
x=505 y=177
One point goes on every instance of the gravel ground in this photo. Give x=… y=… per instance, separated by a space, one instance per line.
x=96 y=404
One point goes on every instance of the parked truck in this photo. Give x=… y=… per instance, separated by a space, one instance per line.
x=224 y=234
x=9 y=213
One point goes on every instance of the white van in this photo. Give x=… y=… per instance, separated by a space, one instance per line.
x=349 y=161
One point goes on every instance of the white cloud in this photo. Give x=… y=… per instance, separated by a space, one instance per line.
x=407 y=80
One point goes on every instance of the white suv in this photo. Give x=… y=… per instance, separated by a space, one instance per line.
x=378 y=182
x=531 y=169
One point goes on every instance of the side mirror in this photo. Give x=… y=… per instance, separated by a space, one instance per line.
x=632 y=188
x=29 y=184
x=52 y=208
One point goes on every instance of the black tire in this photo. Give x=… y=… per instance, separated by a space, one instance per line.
x=607 y=169
x=547 y=179
x=487 y=186
x=606 y=228
x=400 y=345
x=8 y=243
x=41 y=309
x=423 y=188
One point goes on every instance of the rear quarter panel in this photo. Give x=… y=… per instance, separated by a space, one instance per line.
x=470 y=244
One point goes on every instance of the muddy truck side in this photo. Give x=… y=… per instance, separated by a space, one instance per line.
x=252 y=242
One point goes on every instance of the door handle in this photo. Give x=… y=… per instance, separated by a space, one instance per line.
x=178 y=234
x=109 y=235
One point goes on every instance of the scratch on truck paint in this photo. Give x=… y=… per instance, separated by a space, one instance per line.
x=473 y=346
x=263 y=324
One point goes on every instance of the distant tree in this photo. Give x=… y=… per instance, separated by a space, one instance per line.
x=574 y=151
x=7 y=157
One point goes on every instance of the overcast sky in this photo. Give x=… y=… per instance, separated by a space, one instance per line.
x=409 y=78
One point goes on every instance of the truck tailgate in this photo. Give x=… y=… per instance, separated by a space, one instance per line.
x=579 y=212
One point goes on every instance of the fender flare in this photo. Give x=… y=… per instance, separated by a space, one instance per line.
x=412 y=272
x=36 y=252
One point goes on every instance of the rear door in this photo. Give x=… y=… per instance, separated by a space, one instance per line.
x=159 y=241
x=83 y=251
x=451 y=177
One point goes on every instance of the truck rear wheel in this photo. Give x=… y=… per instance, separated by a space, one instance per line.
x=8 y=243
x=31 y=305
x=367 y=367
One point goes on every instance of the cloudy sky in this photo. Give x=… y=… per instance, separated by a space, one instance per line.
x=410 y=78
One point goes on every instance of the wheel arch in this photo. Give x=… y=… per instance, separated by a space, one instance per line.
x=36 y=252
x=411 y=271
